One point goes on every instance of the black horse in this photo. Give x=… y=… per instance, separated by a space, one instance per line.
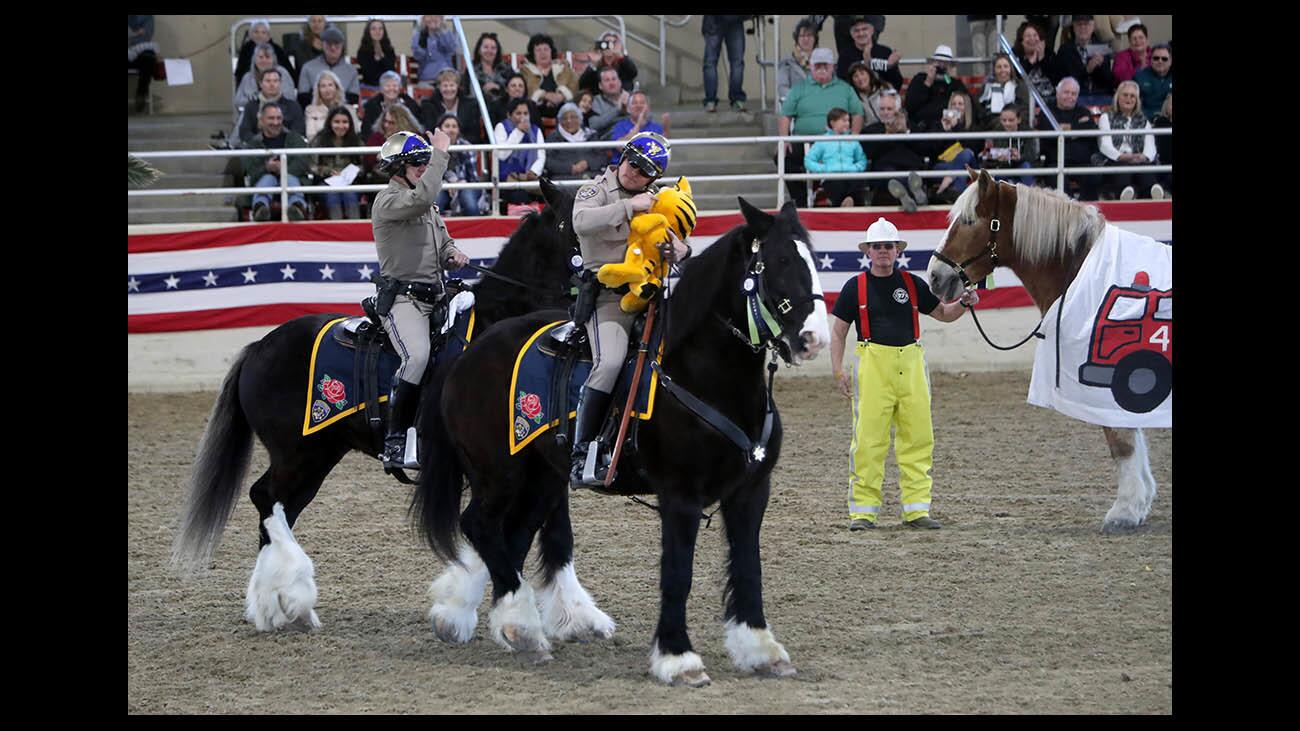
x=687 y=463
x=262 y=396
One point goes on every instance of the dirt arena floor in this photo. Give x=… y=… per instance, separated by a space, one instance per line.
x=1019 y=605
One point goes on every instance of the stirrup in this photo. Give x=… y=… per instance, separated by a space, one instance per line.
x=403 y=455
x=590 y=467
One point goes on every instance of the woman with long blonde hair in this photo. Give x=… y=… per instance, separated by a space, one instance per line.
x=1130 y=148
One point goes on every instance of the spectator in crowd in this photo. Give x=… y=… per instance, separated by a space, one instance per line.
x=794 y=68
x=390 y=93
x=832 y=156
x=584 y=99
x=883 y=60
x=260 y=33
x=264 y=172
x=1001 y=90
x=434 y=47
x=1037 y=60
x=1134 y=58
x=263 y=59
x=1078 y=150
x=580 y=163
x=449 y=100
x=730 y=29
x=514 y=88
x=954 y=154
x=891 y=155
x=1157 y=80
x=550 y=81
x=804 y=113
x=462 y=167
x=291 y=115
x=1128 y=149
x=1165 y=143
x=983 y=37
x=341 y=131
x=609 y=54
x=1047 y=26
x=333 y=59
x=1014 y=152
x=609 y=105
x=326 y=98
x=1091 y=68
x=868 y=87
x=141 y=55
x=928 y=94
x=307 y=44
x=490 y=69
x=376 y=54
x=519 y=165
x=394 y=118
x=842 y=27
x=1106 y=30
x=639 y=119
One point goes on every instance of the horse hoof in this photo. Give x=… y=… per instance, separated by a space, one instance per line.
x=778 y=669
x=1118 y=527
x=536 y=658
x=692 y=679
x=449 y=632
x=520 y=640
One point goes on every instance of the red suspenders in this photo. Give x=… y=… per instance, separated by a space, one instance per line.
x=864 y=325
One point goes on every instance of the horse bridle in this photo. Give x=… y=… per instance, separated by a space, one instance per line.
x=764 y=328
x=990 y=249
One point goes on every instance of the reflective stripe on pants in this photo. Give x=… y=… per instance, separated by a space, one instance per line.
x=891 y=390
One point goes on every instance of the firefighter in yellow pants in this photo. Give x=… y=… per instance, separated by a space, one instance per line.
x=888 y=384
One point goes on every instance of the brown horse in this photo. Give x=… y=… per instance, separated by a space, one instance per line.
x=1043 y=237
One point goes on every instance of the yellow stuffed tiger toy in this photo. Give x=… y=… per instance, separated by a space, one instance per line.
x=643 y=269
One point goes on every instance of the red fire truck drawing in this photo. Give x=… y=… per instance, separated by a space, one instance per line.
x=1132 y=347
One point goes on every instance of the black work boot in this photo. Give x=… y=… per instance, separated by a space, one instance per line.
x=592 y=407
x=401 y=414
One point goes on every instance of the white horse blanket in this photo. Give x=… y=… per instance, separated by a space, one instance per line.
x=1118 y=318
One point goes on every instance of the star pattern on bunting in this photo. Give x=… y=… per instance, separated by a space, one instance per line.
x=210 y=279
x=327 y=273
x=365 y=271
x=288 y=271
x=250 y=275
x=903 y=261
x=133 y=285
x=172 y=281
x=864 y=262
x=826 y=261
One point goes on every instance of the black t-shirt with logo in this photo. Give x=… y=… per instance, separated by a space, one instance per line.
x=889 y=307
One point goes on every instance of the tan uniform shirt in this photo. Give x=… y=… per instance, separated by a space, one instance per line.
x=601 y=212
x=410 y=235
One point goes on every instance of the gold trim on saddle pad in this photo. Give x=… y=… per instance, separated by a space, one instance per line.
x=514 y=380
x=307 y=428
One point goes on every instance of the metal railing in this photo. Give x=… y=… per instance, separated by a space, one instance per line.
x=778 y=142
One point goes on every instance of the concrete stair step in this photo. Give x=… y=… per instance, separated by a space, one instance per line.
x=732 y=130
x=221 y=214
x=713 y=153
x=727 y=203
x=180 y=202
x=719 y=167
x=693 y=115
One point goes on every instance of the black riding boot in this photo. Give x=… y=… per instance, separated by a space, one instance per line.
x=401 y=414
x=593 y=405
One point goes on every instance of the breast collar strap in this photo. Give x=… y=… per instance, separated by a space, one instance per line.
x=991 y=249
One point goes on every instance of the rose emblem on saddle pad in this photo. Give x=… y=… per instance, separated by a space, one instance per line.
x=530 y=405
x=334 y=391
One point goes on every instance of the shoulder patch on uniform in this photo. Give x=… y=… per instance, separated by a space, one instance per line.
x=586 y=192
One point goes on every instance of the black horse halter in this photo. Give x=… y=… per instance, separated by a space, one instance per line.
x=763 y=326
x=991 y=249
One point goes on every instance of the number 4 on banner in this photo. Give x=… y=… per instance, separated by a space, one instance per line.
x=1160 y=337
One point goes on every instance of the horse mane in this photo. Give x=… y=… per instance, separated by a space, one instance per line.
x=1047 y=225
x=536 y=253
x=692 y=297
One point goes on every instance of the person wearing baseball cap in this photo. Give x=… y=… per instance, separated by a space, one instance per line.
x=927 y=95
x=887 y=382
x=804 y=113
x=332 y=58
x=882 y=60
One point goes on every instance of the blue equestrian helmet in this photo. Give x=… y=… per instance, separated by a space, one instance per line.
x=403 y=148
x=649 y=153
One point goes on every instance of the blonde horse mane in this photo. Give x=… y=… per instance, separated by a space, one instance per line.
x=1047 y=225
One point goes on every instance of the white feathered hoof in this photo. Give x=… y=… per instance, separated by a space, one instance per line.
x=515 y=625
x=456 y=595
x=1120 y=521
x=686 y=669
x=282 y=589
x=757 y=651
x=568 y=611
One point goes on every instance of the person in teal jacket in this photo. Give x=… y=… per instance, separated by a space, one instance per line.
x=839 y=157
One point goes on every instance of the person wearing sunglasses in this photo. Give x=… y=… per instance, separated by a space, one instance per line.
x=1155 y=81
x=887 y=381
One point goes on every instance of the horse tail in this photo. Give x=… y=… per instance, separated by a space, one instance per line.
x=435 y=503
x=218 y=472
